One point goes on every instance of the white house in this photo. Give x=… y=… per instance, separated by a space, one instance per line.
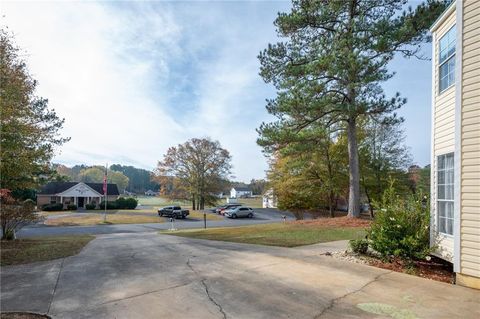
x=237 y=192
x=455 y=173
x=269 y=200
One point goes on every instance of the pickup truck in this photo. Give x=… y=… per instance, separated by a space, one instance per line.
x=173 y=211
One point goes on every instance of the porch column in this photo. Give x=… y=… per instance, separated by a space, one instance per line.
x=75 y=200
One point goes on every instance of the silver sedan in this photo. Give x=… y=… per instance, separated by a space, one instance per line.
x=240 y=211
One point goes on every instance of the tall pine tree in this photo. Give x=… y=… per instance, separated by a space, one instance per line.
x=332 y=63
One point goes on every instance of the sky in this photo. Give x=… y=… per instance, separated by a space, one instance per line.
x=134 y=78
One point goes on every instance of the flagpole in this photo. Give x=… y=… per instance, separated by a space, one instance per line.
x=105 y=193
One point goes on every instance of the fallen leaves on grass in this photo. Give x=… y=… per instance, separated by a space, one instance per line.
x=336 y=222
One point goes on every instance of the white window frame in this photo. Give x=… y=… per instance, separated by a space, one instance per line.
x=445 y=217
x=448 y=59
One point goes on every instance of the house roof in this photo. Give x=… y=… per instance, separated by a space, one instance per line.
x=59 y=187
x=242 y=189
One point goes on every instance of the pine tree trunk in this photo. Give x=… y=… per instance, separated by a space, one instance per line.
x=354 y=171
x=193 y=202
x=331 y=207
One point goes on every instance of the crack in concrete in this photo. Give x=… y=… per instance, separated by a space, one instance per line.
x=213 y=300
x=207 y=292
x=335 y=300
x=143 y=294
x=55 y=287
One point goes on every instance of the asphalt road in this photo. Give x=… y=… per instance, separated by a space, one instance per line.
x=262 y=216
x=159 y=276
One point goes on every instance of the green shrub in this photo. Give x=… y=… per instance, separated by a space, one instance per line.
x=130 y=203
x=90 y=206
x=359 y=246
x=110 y=205
x=52 y=207
x=126 y=203
x=121 y=203
x=401 y=226
x=72 y=207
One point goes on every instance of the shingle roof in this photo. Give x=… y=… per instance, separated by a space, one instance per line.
x=242 y=189
x=58 y=187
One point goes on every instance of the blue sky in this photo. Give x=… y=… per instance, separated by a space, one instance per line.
x=133 y=78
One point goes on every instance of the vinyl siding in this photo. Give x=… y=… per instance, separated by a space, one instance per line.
x=443 y=135
x=470 y=140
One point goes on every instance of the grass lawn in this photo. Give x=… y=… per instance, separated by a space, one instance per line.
x=290 y=234
x=254 y=202
x=95 y=219
x=22 y=251
x=160 y=201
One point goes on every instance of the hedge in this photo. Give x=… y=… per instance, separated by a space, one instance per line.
x=52 y=207
x=72 y=207
x=121 y=203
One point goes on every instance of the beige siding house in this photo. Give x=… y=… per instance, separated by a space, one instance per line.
x=455 y=159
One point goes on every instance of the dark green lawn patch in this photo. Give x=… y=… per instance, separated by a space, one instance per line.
x=285 y=235
x=23 y=251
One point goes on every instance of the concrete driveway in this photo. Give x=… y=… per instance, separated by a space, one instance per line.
x=159 y=276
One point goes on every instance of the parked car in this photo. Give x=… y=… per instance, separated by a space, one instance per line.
x=214 y=209
x=239 y=211
x=173 y=211
x=222 y=209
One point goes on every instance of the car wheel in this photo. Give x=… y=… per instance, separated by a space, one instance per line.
x=250 y=215
x=234 y=216
x=160 y=214
x=183 y=216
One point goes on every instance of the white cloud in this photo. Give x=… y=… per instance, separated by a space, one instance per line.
x=108 y=70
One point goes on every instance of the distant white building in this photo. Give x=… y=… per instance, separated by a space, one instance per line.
x=151 y=193
x=238 y=192
x=269 y=199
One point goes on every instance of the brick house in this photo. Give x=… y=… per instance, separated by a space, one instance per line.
x=77 y=193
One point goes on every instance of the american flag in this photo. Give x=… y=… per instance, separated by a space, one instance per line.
x=105 y=182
